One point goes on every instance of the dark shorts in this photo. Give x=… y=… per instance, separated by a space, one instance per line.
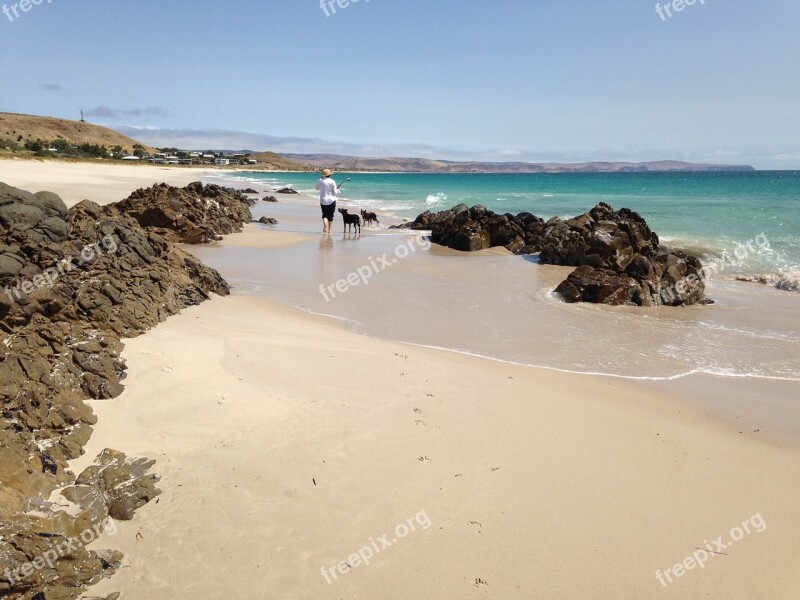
x=328 y=211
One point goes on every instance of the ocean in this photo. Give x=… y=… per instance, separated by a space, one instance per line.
x=748 y=223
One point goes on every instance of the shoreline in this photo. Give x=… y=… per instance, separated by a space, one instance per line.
x=508 y=461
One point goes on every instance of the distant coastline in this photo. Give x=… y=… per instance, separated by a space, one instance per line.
x=424 y=165
x=31 y=136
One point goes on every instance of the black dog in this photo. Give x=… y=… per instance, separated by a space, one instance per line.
x=350 y=220
x=369 y=217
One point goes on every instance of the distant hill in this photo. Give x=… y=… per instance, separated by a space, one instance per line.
x=21 y=128
x=425 y=165
x=280 y=163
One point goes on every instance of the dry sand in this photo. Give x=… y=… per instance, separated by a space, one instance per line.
x=101 y=182
x=287 y=444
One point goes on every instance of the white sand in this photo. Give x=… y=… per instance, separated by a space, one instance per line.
x=543 y=485
x=101 y=182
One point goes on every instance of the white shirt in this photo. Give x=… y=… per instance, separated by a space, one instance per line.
x=327 y=191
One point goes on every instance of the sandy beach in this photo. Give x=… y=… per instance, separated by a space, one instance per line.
x=286 y=444
x=99 y=182
x=299 y=459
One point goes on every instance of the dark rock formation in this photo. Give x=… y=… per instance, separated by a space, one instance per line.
x=620 y=259
x=74 y=283
x=270 y=199
x=249 y=191
x=195 y=214
x=113 y=487
x=286 y=190
x=267 y=221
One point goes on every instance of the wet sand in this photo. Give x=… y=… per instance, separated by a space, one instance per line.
x=716 y=359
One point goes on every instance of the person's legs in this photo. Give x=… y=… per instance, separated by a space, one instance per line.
x=328 y=212
x=325 y=219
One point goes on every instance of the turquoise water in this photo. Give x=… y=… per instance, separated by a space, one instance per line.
x=714 y=215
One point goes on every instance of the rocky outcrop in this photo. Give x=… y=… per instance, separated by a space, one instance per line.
x=619 y=257
x=286 y=190
x=269 y=199
x=268 y=221
x=477 y=228
x=620 y=261
x=74 y=283
x=195 y=214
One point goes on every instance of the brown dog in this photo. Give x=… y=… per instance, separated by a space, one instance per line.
x=369 y=217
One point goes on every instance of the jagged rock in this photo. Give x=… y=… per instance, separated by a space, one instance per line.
x=249 y=191
x=267 y=221
x=286 y=190
x=114 y=486
x=195 y=214
x=72 y=284
x=600 y=286
x=270 y=199
x=601 y=238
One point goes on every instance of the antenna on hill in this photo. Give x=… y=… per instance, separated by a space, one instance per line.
x=82 y=119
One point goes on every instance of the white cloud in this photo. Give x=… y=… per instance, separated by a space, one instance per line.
x=113 y=113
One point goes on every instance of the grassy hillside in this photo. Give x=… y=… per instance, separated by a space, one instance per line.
x=20 y=128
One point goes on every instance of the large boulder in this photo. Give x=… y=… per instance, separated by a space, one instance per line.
x=599 y=286
x=601 y=238
x=36 y=217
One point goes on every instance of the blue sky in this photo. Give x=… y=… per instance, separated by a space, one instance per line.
x=563 y=80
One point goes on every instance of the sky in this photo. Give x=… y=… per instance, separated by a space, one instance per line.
x=534 y=80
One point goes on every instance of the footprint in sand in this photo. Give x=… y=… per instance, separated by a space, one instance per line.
x=167 y=370
x=424 y=459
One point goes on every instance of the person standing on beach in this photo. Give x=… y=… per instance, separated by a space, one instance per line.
x=327 y=199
